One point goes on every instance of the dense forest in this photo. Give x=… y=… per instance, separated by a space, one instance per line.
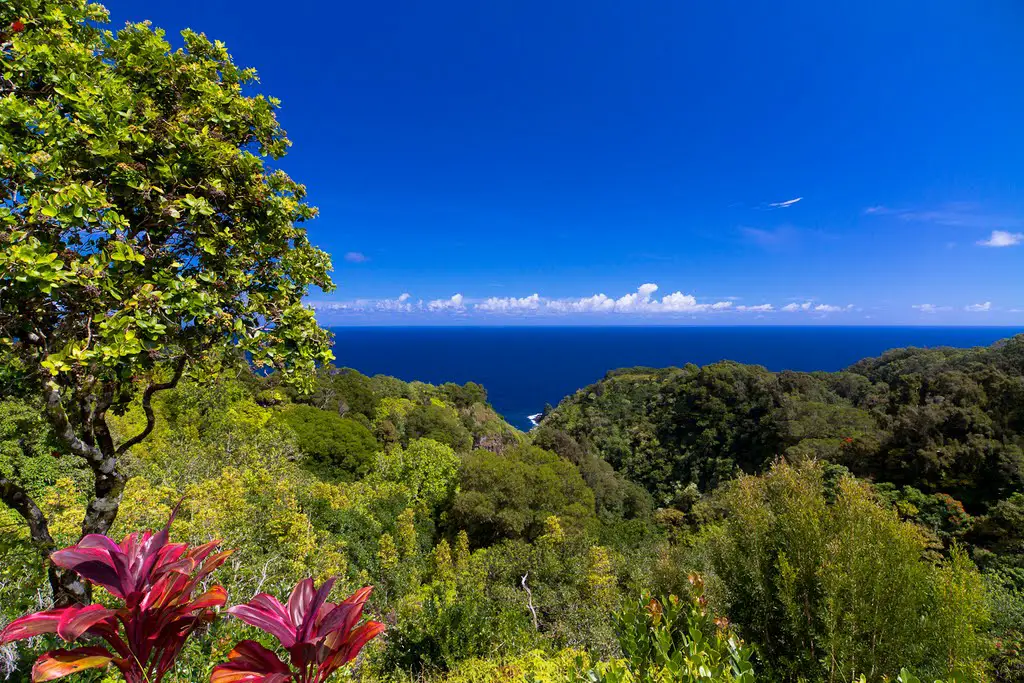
x=190 y=488
x=842 y=524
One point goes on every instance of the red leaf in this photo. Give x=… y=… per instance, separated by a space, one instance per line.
x=32 y=625
x=305 y=628
x=215 y=597
x=299 y=601
x=92 y=564
x=325 y=638
x=60 y=663
x=342 y=618
x=77 y=620
x=345 y=650
x=250 y=661
x=17 y=26
x=267 y=614
x=154 y=579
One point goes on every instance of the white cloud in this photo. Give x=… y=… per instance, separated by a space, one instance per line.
x=456 y=303
x=599 y=303
x=926 y=308
x=647 y=289
x=510 y=304
x=641 y=301
x=402 y=304
x=815 y=308
x=1002 y=238
x=785 y=204
x=644 y=302
x=356 y=257
x=956 y=214
x=979 y=308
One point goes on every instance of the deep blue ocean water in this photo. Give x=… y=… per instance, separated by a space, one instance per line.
x=523 y=368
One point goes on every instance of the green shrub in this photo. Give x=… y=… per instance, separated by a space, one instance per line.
x=675 y=641
x=831 y=590
x=429 y=469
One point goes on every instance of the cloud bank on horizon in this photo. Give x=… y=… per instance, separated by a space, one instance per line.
x=641 y=303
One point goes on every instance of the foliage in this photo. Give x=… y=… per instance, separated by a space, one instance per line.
x=429 y=469
x=676 y=641
x=320 y=636
x=510 y=495
x=142 y=195
x=615 y=497
x=333 y=444
x=940 y=420
x=507 y=563
x=833 y=589
x=439 y=422
x=204 y=428
x=28 y=448
x=154 y=579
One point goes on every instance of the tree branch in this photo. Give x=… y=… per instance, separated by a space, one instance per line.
x=65 y=431
x=147 y=399
x=529 y=602
x=15 y=497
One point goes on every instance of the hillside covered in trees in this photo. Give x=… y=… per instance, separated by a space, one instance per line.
x=818 y=511
x=163 y=381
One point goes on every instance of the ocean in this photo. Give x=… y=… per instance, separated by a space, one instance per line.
x=523 y=368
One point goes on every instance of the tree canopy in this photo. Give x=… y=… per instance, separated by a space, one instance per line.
x=143 y=225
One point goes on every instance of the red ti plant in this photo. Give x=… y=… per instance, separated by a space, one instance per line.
x=320 y=636
x=154 y=579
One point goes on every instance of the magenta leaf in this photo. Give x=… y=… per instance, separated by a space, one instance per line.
x=77 y=620
x=250 y=661
x=154 y=579
x=319 y=635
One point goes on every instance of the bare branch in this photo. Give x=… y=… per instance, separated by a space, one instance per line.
x=147 y=400
x=529 y=602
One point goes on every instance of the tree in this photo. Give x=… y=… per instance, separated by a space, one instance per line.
x=440 y=423
x=142 y=228
x=332 y=442
x=511 y=495
x=430 y=470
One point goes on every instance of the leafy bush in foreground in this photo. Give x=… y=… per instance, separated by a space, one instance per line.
x=833 y=589
x=320 y=636
x=675 y=641
x=154 y=579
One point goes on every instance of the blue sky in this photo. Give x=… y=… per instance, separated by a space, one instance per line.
x=554 y=162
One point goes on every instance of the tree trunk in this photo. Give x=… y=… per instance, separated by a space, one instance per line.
x=68 y=588
x=102 y=509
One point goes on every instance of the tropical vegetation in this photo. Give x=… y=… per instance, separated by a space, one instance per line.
x=720 y=524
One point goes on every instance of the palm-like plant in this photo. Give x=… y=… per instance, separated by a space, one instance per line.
x=320 y=636
x=154 y=579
